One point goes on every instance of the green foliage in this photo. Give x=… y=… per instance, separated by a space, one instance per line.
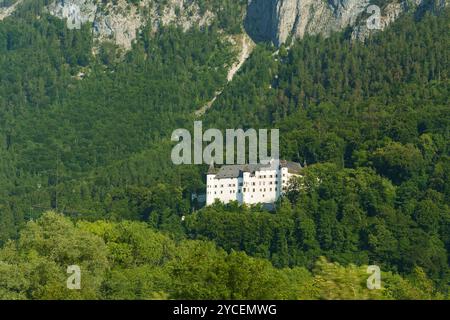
x=79 y=118
x=35 y=266
x=129 y=260
x=374 y=115
x=346 y=215
x=88 y=135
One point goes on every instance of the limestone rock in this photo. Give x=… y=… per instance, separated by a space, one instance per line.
x=279 y=20
x=121 y=21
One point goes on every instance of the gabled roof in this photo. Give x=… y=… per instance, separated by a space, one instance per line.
x=293 y=167
x=236 y=171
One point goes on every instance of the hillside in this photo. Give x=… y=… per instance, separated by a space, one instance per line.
x=86 y=114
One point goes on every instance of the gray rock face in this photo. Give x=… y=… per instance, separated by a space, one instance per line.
x=121 y=21
x=279 y=20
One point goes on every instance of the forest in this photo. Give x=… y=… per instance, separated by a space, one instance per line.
x=86 y=176
x=130 y=260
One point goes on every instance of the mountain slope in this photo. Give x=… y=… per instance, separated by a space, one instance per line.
x=88 y=135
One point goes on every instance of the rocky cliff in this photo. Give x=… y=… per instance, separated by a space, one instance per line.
x=280 y=20
x=266 y=20
x=277 y=20
x=120 y=20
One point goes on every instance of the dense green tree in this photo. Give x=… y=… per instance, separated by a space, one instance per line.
x=130 y=260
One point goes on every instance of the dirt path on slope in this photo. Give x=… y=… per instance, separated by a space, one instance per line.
x=246 y=47
x=6 y=12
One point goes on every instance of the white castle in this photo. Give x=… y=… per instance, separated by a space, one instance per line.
x=250 y=184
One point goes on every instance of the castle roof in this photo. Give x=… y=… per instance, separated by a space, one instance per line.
x=293 y=167
x=236 y=171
